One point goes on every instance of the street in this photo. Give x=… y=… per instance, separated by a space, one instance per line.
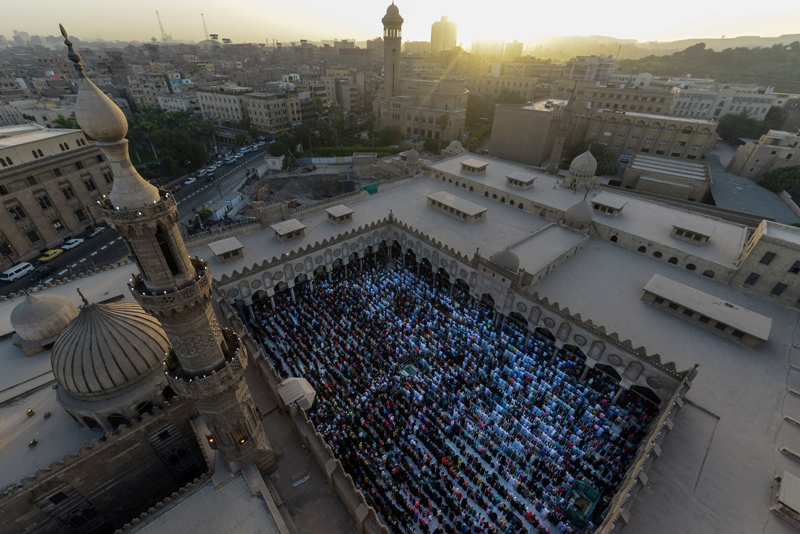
x=108 y=247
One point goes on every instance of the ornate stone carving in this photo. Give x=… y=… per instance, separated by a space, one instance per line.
x=521 y=306
x=298 y=267
x=549 y=322
x=633 y=371
x=318 y=260
x=278 y=275
x=463 y=273
x=654 y=382
x=255 y=284
x=613 y=359
x=337 y=253
x=579 y=340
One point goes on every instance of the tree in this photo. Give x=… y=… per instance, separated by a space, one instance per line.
x=442 y=122
x=388 y=135
x=783 y=179
x=607 y=158
x=734 y=126
x=240 y=138
x=66 y=122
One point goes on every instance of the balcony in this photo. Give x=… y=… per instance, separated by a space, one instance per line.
x=215 y=381
x=154 y=211
x=174 y=297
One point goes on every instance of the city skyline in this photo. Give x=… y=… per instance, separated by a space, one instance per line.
x=252 y=21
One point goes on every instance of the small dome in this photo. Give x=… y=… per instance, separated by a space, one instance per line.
x=412 y=156
x=97 y=115
x=584 y=165
x=108 y=348
x=579 y=215
x=41 y=318
x=392 y=17
x=506 y=259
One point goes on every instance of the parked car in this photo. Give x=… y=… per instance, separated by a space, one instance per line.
x=51 y=254
x=97 y=231
x=176 y=189
x=72 y=243
x=190 y=181
x=230 y=161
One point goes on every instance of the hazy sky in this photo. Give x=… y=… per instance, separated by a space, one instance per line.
x=262 y=20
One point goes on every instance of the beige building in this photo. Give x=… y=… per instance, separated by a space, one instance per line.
x=50 y=181
x=590 y=68
x=223 y=102
x=493 y=86
x=716 y=101
x=416 y=106
x=443 y=35
x=621 y=97
x=671 y=177
x=773 y=150
x=272 y=112
x=526 y=133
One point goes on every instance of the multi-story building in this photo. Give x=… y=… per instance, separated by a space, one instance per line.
x=621 y=97
x=773 y=150
x=180 y=102
x=50 y=181
x=416 y=47
x=717 y=101
x=272 y=112
x=513 y=50
x=444 y=34
x=525 y=133
x=493 y=49
x=416 y=106
x=223 y=102
x=590 y=68
x=493 y=86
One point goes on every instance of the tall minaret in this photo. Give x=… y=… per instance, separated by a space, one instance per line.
x=392 y=40
x=207 y=363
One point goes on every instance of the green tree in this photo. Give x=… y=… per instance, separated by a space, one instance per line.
x=204 y=213
x=734 y=126
x=66 y=122
x=783 y=179
x=607 y=158
x=240 y=138
x=388 y=135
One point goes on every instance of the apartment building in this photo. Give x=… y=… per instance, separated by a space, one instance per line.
x=717 y=101
x=773 y=150
x=272 y=112
x=223 y=102
x=492 y=86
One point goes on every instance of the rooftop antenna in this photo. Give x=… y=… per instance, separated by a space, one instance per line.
x=204 y=25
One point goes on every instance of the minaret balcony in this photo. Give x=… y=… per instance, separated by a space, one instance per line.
x=122 y=216
x=165 y=300
x=214 y=381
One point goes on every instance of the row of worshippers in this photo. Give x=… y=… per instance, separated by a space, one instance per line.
x=446 y=423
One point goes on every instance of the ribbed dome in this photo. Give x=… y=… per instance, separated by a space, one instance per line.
x=108 y=348
x=583 y=165
x=579 y=215
x=42 y=317
x=506 y=259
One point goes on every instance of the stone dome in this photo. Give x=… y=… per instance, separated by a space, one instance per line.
x=579 y=215
x=583 y=166
x=107 y=349
x=97 y=115
x=392 y=17
x=506 y=259
x=41 y=318
x=412 y=156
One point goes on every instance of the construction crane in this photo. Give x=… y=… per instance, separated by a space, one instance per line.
x=205 y=29
x=164 y=37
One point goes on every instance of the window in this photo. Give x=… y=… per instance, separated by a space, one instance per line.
x=17 y=213
x=795 y=268
x=720 y=326
x=44 y=202
x=738 y=334
x=3 y=190
x=57 y=172
x=779 y=288
x=752 y=279
x=703 y=319
x=673 y=306
x=31 y=180
x=33 y=237
x=767 y=258
x=90 y=185
x=57 y=225
x=58 y=497
x=658 y=300
x=69 y=193
x=688 y=312
x=80 y=214
x=109 y=177
x=79 y=165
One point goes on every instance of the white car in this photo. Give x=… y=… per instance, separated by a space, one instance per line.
x=72 y=243
x=190 y=181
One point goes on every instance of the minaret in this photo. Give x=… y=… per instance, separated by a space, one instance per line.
x=561 y=134
x=206 y=363
x=392 y=40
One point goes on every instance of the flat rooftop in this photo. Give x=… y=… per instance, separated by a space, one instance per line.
x=671 y=166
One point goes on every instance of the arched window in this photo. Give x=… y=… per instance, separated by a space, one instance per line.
x=657 y=254
x=642 y=249
x=161 y=238
x=613 y=239
x=708 y=274
x=691 y=267
x=673 y=260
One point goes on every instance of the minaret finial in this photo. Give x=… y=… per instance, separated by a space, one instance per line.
x=72 y=54
x=83 y=297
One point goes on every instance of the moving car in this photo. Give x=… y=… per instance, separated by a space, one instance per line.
x=190 y=181
x=51 y=254
x=72 y=243
x=97 y=231
x=42 y=273
x=17 y=271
